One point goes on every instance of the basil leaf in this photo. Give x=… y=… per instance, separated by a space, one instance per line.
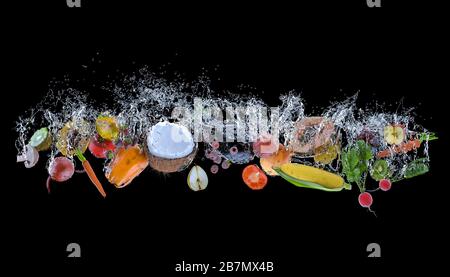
x=357 y=173
x=367 y=153
x=344 y=161
x=352 y=158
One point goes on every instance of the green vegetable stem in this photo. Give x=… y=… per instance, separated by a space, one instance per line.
x=427 y=137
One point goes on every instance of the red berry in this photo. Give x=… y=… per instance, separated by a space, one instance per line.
x=365 y=200
x=385 y=184
x=217 y=160
x=226 y=164
x=233 y=150
x=214 y=168
x=213 y=155
x=215 y=144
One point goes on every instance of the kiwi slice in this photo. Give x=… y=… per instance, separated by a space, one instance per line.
x=380 y=170
x=41 y=139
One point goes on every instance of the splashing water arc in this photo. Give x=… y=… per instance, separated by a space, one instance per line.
x=342 y=146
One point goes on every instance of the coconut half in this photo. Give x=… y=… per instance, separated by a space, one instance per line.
x=171 y=147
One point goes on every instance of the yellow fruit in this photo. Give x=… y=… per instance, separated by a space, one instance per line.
x=107 y=127
x=394 y=134
x=325 y=154
x=313 y=175
x=72 y=137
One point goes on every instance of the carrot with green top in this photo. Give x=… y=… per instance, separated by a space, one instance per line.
x=90 y=172
x=406 y=146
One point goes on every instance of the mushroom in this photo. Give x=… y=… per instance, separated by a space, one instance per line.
x=29 y=156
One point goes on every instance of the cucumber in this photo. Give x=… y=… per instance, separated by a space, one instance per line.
x=41 y=139
x=416 y=168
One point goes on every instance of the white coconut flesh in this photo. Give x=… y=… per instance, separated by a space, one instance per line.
x=170 y=141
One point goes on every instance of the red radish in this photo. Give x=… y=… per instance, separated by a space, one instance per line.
x=60 y=169
x=100 y=147
x=365 y=199
x=385 y=184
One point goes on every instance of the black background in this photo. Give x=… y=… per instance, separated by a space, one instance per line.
x=325 y=49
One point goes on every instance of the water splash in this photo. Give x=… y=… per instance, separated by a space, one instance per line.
x=140 y=100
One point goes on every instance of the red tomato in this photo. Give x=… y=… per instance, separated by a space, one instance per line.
x=254 y=177
x=100 y=147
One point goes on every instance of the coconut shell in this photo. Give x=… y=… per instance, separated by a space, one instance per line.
x=172 y=165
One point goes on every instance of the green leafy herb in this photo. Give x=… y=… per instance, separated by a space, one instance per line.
x=355 y=163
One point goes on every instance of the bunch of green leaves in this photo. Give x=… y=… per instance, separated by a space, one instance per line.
x=355 y=161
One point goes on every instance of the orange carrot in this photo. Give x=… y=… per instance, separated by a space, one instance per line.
x=407 y=146
x=90 y=172
x=401 y=148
